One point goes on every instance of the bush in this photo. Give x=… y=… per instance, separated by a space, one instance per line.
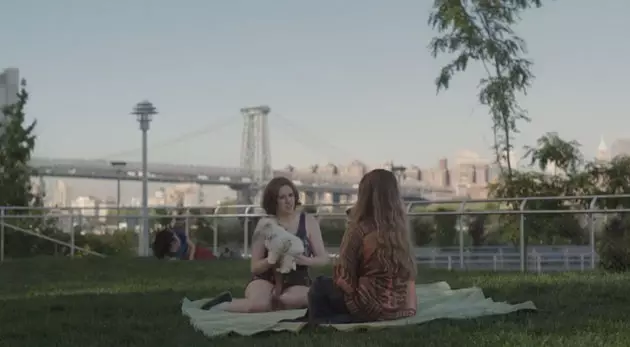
x=477 y=229
x=332 y=231
x=446 y=230
x=423 y=230
x=614 y=246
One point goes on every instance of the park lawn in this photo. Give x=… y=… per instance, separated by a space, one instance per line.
x=136 y=302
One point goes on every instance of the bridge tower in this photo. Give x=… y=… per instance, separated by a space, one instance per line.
x=255 y=152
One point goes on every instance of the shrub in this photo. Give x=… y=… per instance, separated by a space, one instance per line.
x=614 y=246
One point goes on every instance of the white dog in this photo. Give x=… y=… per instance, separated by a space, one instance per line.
x=281 y=245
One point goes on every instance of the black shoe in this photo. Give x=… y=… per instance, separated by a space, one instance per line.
x=219 y=299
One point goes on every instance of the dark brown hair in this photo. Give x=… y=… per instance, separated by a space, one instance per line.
x=162 y=243
x=272 y=190
x=380 y=207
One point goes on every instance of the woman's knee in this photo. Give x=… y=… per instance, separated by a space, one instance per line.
x=258 y=296
x=294 y=297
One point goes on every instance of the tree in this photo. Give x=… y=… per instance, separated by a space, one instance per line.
x=612 y=177
x=17 y=143
x=481 y=31
x=553 y=150
x=570 y=179
x=423 y=229
x=614 y=248
x=445 y=228
x=476 y=230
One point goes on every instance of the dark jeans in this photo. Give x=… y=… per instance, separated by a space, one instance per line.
x=326 y=303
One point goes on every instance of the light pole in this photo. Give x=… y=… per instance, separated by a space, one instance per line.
x=118 y=165
x=144 y=112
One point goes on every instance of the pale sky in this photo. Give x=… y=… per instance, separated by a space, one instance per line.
x=353 y=78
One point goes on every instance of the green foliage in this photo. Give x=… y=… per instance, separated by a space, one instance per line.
x=332 y=230
x=481 y=31
x=614 y=247
x=423 y=229
x=446 y=228
x=17 y=143
x=476 y=229
x=164 y=217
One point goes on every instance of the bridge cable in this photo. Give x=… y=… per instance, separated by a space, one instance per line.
x=290 y=132
x=317 y=141
x=210 y=128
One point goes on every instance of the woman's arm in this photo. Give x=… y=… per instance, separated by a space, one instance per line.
x=191 y=249
x=259 y=263
x=346 y=271
x=412 y=299
x=320 y=255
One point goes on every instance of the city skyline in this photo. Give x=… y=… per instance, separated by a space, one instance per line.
x=105 y=190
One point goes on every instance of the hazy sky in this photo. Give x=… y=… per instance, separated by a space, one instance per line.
x=353 y=78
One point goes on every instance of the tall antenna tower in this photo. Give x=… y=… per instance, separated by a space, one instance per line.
x=255 y=152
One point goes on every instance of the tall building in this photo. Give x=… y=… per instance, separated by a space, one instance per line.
x=620 y=147
x=9 y=86
x=62 y=196
x=603 y=154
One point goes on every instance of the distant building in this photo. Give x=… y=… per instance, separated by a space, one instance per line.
x=603 y=154
x=620 y=147
x=61 y=194
x=469 y=176
x=9 y=86
x=90 y=206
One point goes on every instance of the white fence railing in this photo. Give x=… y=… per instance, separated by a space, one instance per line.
x=462 y=258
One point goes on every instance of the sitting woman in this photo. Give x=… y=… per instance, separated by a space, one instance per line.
x=374 y=277
x=264 y=292
x=174 y=243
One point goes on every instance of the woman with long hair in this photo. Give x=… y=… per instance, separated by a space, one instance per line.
x=267 y=291
x=374 y=276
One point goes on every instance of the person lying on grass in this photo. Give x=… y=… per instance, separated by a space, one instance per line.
x=268 y=289
x=374 y=276
x=173 y=243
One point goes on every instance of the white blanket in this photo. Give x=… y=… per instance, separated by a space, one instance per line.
x=435 y=301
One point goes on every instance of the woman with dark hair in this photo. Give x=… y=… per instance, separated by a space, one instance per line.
x=374 y=276
x=168 y=244
x=265 y=292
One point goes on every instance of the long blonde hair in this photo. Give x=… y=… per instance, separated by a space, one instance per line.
x=380 y=206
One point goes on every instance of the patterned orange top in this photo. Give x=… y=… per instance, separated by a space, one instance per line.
x=372 y=283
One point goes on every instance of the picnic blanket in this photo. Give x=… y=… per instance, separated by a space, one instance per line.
x=435 y=301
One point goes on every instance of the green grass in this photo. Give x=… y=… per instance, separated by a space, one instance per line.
x=117 y=302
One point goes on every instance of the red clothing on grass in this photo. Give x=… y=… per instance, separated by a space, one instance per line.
x=202 y=253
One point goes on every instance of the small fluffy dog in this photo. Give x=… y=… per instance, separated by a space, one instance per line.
x=281 y=245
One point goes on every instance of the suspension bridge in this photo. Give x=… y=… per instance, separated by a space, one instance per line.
x=317 y=186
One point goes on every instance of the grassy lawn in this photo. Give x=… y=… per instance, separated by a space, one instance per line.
x=118 y=302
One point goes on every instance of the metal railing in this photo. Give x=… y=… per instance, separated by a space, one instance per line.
x=447 y=259
x=4 y=226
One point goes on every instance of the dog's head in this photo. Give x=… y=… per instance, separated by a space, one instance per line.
x=268 y=228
